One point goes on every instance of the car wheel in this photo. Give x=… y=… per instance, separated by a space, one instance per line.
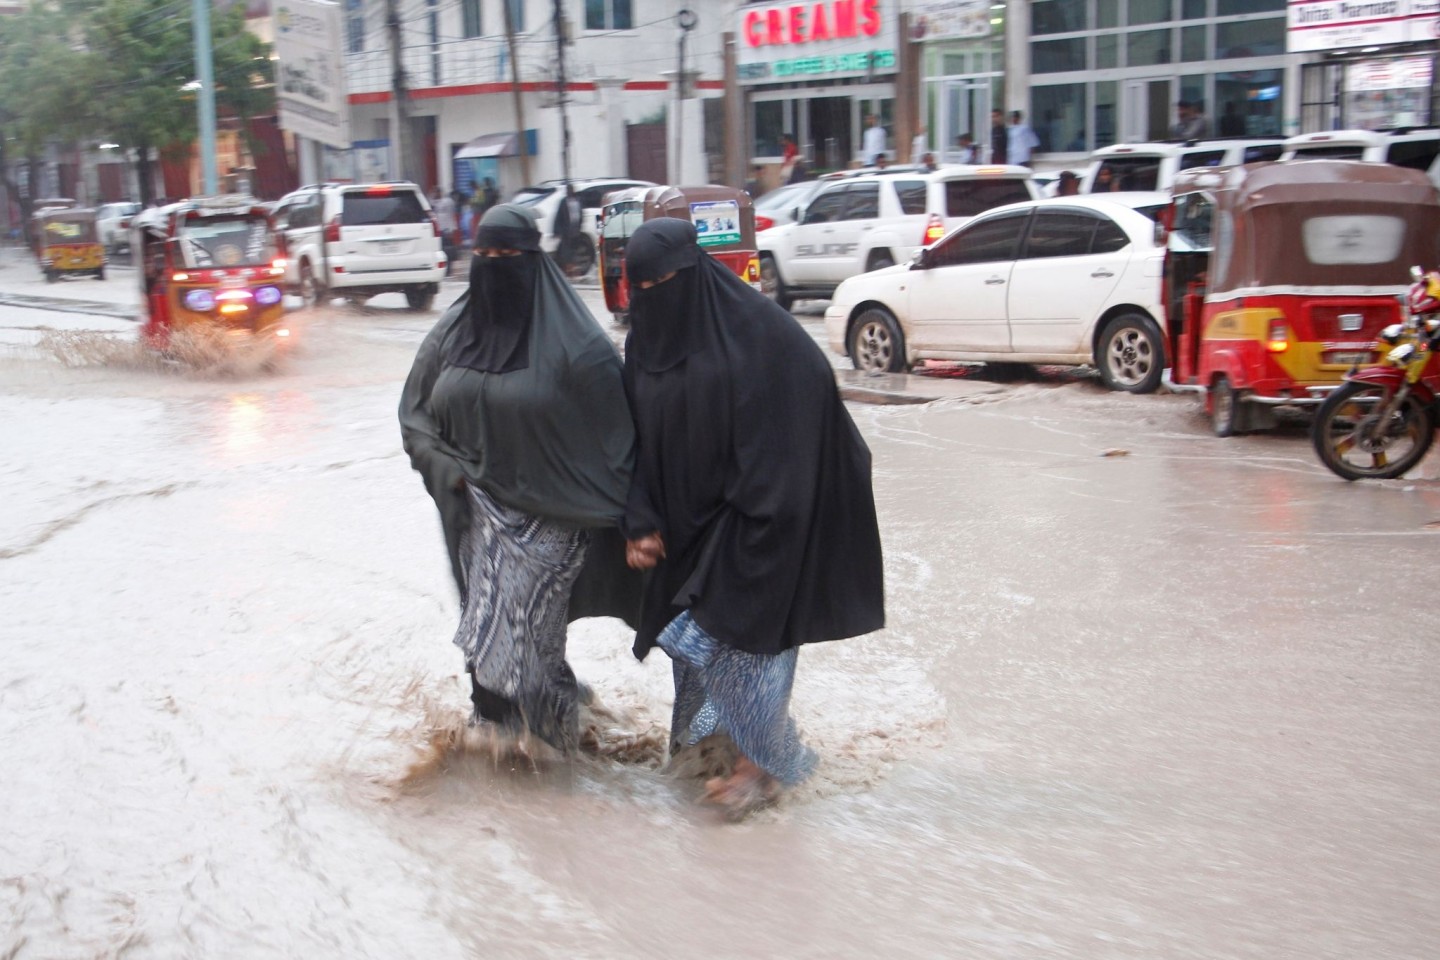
x=100 y=274
x=1224 y=407
x=420 y=298
x=879 y=261
x=51 y=276
x=312 y=291
x=1130 y=355
x=770 y=283
x=876 y=344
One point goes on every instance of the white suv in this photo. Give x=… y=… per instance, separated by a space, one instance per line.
x=112 y=224
x=861 y=223
x=544 y=199
x=357 y=240
x=1131 y=167
x=1415 y=149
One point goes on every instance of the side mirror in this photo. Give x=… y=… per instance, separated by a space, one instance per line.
x=922 y=259
x=797 y=214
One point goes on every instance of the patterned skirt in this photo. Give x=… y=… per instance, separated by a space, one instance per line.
x=519 y=570
x=744 y=695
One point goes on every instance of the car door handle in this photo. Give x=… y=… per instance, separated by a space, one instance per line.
x=1102 y=272
x=994 y=280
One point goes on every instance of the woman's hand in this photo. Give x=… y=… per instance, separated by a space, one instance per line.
x=644 y=553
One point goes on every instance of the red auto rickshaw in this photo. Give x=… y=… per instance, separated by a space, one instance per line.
x=1279 y=278
x=209 y=262
x=724 y=225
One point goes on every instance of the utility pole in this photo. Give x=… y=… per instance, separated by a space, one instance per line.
x=515 y=90
x=205 y=96
x=686 y=20
x=399 y=92
x=563 y=93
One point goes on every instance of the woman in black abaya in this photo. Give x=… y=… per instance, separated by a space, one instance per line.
x=751 y=500
x=515 y=416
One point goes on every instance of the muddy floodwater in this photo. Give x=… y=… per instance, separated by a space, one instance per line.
x=1143 y=693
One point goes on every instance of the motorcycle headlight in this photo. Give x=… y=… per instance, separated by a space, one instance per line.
x=1391 y=334
x=267 y=295
x=201 y=301
x=1401 y=354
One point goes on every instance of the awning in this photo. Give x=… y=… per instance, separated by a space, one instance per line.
x=491 y=145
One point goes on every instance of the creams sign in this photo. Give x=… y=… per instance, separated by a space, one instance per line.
x=822 y=39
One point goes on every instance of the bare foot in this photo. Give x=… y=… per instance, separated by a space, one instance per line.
x=747 y=789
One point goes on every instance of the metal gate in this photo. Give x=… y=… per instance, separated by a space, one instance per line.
x=645 y=143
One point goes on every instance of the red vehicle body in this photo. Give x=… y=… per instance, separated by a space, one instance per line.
x=1279 y=278
x=724 y=222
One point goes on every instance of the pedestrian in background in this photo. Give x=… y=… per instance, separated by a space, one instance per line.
x=919 y=145
x=514 y=414
x=448 y=225
x=999 y=137
x=1191 y=122
x=1022 y=141
x=752 y=503
x=873 y=143
x=1068 y=185
x=964 y=149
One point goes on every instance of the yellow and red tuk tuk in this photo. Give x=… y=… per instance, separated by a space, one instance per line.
x=209 y=262
x=65 y=240
x=1279 y=278
x=724 y=225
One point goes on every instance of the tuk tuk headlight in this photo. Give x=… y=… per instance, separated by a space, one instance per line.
x=1391 y=334
x=267 y=295
x=201 y=301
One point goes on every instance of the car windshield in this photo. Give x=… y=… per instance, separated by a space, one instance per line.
x=1127 y=173
x=381 y=207
x=226 y=241
x=532 y=195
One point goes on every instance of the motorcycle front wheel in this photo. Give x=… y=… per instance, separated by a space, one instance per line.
x=1351 y=440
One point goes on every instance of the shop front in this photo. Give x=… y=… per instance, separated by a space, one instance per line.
x=964 y=71
x=1373 y=65
x=817 y=72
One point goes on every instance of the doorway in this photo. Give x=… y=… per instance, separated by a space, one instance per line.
x=1145 y=110
x=830 y=134
x=964 y=108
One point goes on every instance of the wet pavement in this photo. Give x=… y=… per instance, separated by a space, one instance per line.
x=1142 y=693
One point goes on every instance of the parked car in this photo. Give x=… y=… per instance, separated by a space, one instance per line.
x=544 y=199
x=869 y=222
x=1068 y=280
x=1413 y=149
x=358 y=240
x=1152 y=166
x=783 y=204
x=112 y=224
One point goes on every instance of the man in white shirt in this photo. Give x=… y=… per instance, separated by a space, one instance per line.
x=873 y=144
x=919 y=146
x=1020 y=140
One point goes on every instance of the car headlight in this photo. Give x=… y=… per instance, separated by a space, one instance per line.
x=201 y=301
x=267 y=295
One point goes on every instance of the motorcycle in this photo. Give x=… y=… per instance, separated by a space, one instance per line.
x=1381 y=422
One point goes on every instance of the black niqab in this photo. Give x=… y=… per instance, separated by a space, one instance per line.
x=495 y=335
x=748 y=463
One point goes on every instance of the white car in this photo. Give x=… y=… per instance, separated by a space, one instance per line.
x=784 y=204
x=112 y=224
x=356 y=240
x=1152 y=166
x=1416 y=149
x=544 y=199
x=1068 y=280
x=868 y=222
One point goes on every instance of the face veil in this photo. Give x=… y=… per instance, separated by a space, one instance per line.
x=495 y=335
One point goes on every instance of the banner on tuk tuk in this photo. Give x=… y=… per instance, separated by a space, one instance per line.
x=717 y=222
x=310 y=71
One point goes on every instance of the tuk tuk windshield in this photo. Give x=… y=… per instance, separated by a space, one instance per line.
x=622 y=219
x=234 y=241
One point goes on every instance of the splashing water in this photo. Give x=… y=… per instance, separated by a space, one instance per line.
x=205 y=353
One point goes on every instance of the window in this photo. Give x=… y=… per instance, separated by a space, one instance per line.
x=1192 y=43
x=517 y=15
x=1191 y=229
x=1256 y=154
x=1127 y=173
x=966 y=198
x=1235 y=8
x=1148 y=48
x=1107 y=46
x=1057 y=56
x=769 y=125
x=365 y=209
x=912 y=195
x=826 y=207
x=1343 y=152
x=989 y=241
x=1249 y=38
x=1057 y=16
x=1202 y=158
x=862 y=202
x=1148 y=11
x=1109 y=238
x=354 y=26
x=470 y=25
x=608 y=15
x=1360 y=238
x=1058 y=116
x=1059 y=234
x=1413 y=154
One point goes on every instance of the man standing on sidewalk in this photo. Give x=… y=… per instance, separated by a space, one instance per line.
x=1021 y=140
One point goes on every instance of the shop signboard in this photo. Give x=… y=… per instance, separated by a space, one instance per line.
x=1316 y=25
x=951 y=19
x=310 y=71
x=1372 y=76
x=817 y=40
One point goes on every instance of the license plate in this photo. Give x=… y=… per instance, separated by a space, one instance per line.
x=389 y=246
x=1349 y=356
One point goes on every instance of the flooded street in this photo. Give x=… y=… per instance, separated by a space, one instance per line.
x=1143 y=693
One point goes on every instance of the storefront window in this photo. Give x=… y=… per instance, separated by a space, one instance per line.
x=1057 y=16
x=1106 y=105
x=1250 y=38
x=1148 y=11
x=830 y=134
x=1057 y=115
x=1057 y=56
x=1107 y=50
x=1393 y=92
x=1248 y=104
x=1192 y=43
x=1107 y=14
x=1193 y=9
x=1236 y=8
x=769 y=125
x=1148 y=48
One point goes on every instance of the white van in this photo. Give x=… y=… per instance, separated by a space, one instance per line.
x=1152 y=166
x=1414 y=149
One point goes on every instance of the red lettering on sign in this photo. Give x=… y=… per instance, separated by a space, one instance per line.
x=752 y=29
x=819 y=29
x=776 y=25
x=797 y=24
x=844 y=18
x=871 y=26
